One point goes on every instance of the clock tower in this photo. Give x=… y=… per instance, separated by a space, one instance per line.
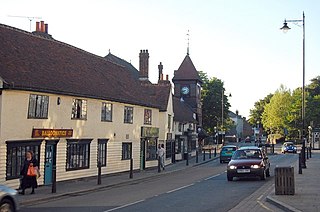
x=187 y=86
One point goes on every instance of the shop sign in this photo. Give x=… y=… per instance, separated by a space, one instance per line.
x=149 y=132
x=52 y=133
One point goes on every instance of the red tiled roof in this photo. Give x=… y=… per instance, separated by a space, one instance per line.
x=34 y=63
x=186 y=71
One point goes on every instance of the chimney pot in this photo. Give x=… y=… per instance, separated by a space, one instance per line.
x=167 y=77
x=37 y=26
x=46 y=28
x=42 y=29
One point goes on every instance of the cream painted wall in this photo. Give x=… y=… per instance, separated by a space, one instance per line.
x=15 y=125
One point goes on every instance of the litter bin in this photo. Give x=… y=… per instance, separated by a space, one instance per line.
x=284 y=180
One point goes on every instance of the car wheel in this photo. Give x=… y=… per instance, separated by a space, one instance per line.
x=7 y=205
x=264 y=175
x=230 y=178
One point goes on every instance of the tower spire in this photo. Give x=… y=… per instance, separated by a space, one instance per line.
x=188 y=35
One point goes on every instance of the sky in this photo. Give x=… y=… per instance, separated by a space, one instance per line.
x=237 y=41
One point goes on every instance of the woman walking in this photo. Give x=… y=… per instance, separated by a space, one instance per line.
x=29 y=173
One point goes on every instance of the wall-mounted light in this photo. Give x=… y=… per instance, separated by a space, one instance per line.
x=58 y=101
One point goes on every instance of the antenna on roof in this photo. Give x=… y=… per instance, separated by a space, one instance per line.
x=188 y=34
x=28 y=17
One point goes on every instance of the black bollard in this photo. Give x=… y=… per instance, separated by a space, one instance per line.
x=215 y=152
x=54 y=179
x=131 y=168
x=204 y=155
x=300 y=167
x=187 y=159
x=159 y=164
x=197 y=154
x=209 y=153
x=307 y=148
x=99 y=173
x=272 y=148
x=310 y=152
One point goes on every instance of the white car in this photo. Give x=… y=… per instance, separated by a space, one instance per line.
x=8 y=199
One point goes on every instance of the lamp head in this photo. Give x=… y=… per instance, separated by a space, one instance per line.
x=285 y=27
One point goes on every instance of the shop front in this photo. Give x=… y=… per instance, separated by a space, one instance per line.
x=148 y=147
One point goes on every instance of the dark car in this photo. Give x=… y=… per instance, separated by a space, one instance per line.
x=288 y=147
x=227 y=152
x=8 y=199
x=249 y=161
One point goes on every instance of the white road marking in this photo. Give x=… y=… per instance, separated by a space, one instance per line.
x=260 y=197
x=124 y=206
x=212 y=177
x=177 y=189
x=265 y=207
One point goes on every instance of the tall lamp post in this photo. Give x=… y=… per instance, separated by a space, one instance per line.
x=285 y=28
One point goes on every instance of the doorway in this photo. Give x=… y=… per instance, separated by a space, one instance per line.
x=142 y=154
x=50 y=161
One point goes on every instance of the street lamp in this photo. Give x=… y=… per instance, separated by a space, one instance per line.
x=285 y=28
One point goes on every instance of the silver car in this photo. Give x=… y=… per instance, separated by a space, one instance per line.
x=8 y=199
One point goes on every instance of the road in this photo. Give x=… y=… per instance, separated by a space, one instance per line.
x=201 y=188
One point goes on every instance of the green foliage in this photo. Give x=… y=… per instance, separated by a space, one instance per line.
x=212 y=90
x=274 y=116
x=256 y=113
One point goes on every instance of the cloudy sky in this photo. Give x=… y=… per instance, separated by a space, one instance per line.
x=237 y=41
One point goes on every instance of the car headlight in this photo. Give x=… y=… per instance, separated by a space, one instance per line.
x=232 y=167
x=255 y=166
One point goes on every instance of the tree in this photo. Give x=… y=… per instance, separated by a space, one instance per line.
x=255 y=115
x=212 y=90
x=313 y=102
x=274 y=117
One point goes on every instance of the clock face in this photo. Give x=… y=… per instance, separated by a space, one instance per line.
x=185 y=90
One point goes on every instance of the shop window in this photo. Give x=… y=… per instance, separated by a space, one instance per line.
x=79 y=109
x=147 y=116
x=128 y=115
x=16 y=151
x=78 y=154
x=38 y=106
x=169 y=144
x=106 y=112
x=102 y=151
x=126 y=151
x=151 y=149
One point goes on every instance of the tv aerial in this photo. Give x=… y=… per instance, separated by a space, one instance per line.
x=30 y=18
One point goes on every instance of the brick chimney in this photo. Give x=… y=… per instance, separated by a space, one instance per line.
x=42 y=30
x=144 y=65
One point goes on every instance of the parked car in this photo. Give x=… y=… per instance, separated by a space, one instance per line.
x=247 y=140
x=248 y=161
x=227 y=152
x=8 y=199
x=288 y=147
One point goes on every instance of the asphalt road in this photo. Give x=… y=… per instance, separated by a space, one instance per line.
x=201 y=188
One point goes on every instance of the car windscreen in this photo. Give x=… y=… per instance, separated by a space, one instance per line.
x=229 y=149
x=247 y=154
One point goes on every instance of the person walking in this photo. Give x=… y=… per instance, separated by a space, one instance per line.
x=29 y=172
x=160 y=153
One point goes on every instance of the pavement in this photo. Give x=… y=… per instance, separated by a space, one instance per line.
x=90 y=184
x=306 y=197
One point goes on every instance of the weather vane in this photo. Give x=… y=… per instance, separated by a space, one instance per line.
x=188 y=34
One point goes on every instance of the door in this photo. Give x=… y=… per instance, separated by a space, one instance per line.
x=50 y=152
x=142 y=154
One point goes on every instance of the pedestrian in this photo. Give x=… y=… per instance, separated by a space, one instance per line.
x=29 y=172
x=161 y=153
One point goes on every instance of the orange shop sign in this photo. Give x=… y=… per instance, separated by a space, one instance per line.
x=52 y=133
